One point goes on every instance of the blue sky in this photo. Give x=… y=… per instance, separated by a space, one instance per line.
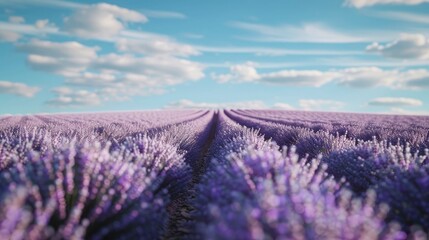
x=338 y=55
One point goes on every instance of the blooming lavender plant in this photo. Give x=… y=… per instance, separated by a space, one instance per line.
x=370 y=162
x=89 y=191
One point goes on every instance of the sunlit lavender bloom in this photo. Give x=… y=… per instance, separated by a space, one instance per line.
x=407 y=193
x=370 y=162
x=267 y=195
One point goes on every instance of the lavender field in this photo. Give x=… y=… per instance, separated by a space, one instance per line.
x=224 y=174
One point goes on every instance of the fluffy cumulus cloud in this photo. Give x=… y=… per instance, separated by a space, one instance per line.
x=361 y=77
x=239 y=73
x=247 y=73
x=401 y=111
x=64 y=58
x=365 y=77
x=118 y=77
x=111 y=86
x=12 y=31
x=9 y=36
x=417 y=79
x=71 y=97
x=114 y=76
x=156 y=46
x=103 y=78
x=304 y=104
x=283 y=106
x=72 y=59
x=163 y=69
x=395 y=102
x=164 y=14
x=100 y=20
x=298 y=77
x=421 y=81
x=402 y=16
x=16 y=19
x=111 y=76
x=368 y=3
x=308 y=32
x=18 y=89
x=43 y=23
x=188 y=104
x=320 y=104
x=409 y=46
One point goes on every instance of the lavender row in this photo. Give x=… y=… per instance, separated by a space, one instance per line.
x=399 y=177
x=253 y=191
x=68 y=187
x=307 y=141
x=99 y=126
x=17 y=140
x=88 y=191
x=397 y=173
x=403 y=129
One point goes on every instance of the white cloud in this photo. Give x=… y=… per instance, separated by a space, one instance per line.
x=402 y=16
x=114 y=86
x=365 y=77
x=401 y=111
x=320 y=104
x=310 y=32
x=163 y=14
x=156 y=46
x=368 y=3
x=361 y=77
x=140 y=35
x=72 y=97
x=51 y=3
x=248 y=73
x=395 y=102
x=266 y=51
x=59 y=49
x=7 y=36
x=100 y=20
x=283 y=106
x=93 y=79
x=164 y=69
x=238 y=73
x=116 y=77
x=19 y=89
x=416 y=79
x=16 y=19
x=311 y=78
x=66 y=58
x=420 y=80
x=304 y=104
x=42 y=23
x=332 y=62
x=188 y=104
x=27 y=29
x=409 y=46
x=113 y=76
